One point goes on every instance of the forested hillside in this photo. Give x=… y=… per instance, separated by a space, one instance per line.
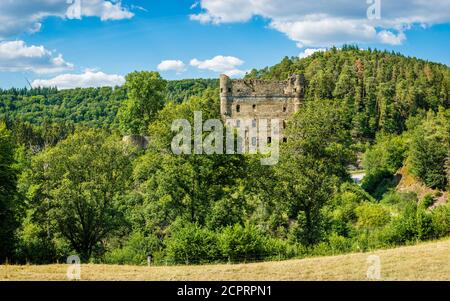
x=380 y=89
x=94 y=107
x=70 y=185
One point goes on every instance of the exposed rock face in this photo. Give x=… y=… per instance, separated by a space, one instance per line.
x=141 y=142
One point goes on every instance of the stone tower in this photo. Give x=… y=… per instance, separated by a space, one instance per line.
x=260 y=99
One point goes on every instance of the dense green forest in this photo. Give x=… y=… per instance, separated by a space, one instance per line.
x=380 y=89
x=93 y=107
x=70 y=185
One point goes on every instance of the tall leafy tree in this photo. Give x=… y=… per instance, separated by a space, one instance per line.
x=146 y=92
x=9 y=200
x=430 y=149
x=184 y=186
x=77 y=187
x=312 y=162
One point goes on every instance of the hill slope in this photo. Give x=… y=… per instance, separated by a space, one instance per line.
x=381 y=89
x=426 y=261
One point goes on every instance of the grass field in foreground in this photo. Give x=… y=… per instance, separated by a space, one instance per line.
x=426 y=261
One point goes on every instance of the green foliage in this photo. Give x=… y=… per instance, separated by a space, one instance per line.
x=339 y=244
x=135 y=250
x=145 y=98
x=94 y=107
x=191 y=244
x=427 y=201
x=381 y=161
x=430 y=145
x=414 y=223
x=441 y=220
x=311 y=164
x=243 y=243
x=179 y=91
x=86 y=192
x=77 y=186
x=192 y=187
x=371 y=215
x=10 y=204
x=381 y=89
x=36 y=246
x=342 y=210
x=387 y=154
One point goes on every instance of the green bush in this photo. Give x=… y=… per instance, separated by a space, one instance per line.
x=35 y=246
x=339 y=244
x=244 y=243
x=429 y=149
x=399 y=199
x=427 y=201
x=191 y=244
x=135 y=250
x=377 y=182
x=441 y=220
x=388 y=153
x=371 y=216
x=413 y=223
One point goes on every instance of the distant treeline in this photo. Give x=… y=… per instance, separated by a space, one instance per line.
x=93 y=107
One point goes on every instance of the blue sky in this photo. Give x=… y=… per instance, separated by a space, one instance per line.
x=53 y=44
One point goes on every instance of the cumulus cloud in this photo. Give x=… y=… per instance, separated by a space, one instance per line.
x=89 y=78
x=235 y=73
x=310 y=51
x=27 y=15
x=223 y=64
x=105 y=10
x=324 y=23
x=172 y=65
x=17 y=56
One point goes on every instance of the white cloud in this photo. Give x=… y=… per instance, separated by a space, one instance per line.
x=235 y=73
x=105 y=10
x=26 y=15
x=218 y=63
x=390 y=38
x=89 y=78
x=324 y=23
x=222 y=64
x=310 y=51
x=175 y=65
x=17 y=56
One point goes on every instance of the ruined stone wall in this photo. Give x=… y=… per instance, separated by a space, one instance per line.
x=261 y=99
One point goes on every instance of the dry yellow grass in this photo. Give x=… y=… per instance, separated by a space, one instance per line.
x=426 y=261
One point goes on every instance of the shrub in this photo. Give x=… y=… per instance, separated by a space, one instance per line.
x=429 y=150
x=377 y=182
x=371 y=215
x=339 y=244
x=35 y=246
x=244 y=243
x=441 y=220
x=427 y=201
x=387 y=154
x=424 y=224
x=135 y=250
x=414 y=223
x=399 y=199
x=192 y=244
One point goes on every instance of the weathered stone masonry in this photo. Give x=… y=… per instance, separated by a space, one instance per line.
x=260 y=99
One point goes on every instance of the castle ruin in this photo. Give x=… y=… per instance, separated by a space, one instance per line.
x=260 y=99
